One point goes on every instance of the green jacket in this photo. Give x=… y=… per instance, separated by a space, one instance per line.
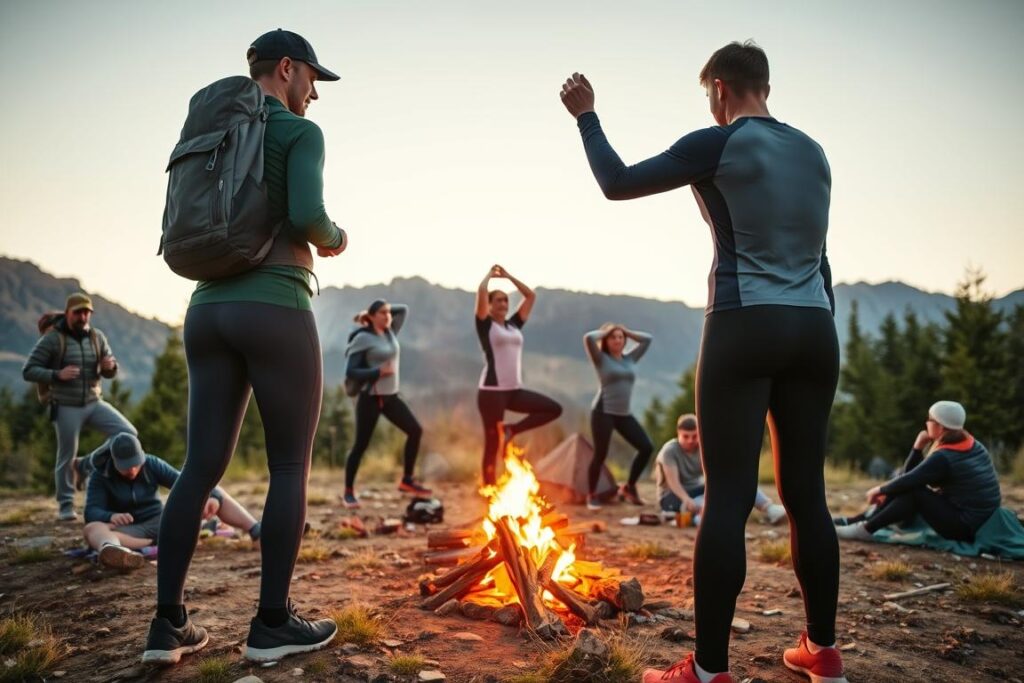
x=44 y=362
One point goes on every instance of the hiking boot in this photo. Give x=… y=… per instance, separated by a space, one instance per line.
x=411 y=486
x=593 y=503
x=774 y=513
x=350 y=500
x=681 y=672
x=854 y=532
x=166 y=644
x=296 y=635
x=824 y=667
x=67 y=514
x=119 y=557
x=627 y=493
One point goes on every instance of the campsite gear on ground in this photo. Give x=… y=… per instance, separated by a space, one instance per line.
x=684 y=518
x=1001 y=536
x=424 y=511
x=562 y=473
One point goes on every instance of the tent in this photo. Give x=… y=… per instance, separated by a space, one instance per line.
x=562 y=473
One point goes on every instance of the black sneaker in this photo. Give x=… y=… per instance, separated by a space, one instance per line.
x=296 y=635
x=166 y=644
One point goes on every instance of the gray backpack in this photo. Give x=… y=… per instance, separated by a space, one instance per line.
x=217 y=217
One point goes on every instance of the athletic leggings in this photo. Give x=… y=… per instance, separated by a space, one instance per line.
x=782 y=361
x=935 y=508
x=602 y=425
x=369 y=408
x=231 y=347
x=492 y=404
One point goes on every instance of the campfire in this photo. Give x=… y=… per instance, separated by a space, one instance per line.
x=519 y=566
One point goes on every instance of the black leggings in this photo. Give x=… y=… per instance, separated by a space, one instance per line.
x=492 y=404
x=232 y=349
x=602 y=425
x=369 y=408
x=782 y=361
x=936 y=509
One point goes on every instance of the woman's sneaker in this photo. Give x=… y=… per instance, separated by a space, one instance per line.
x=854 y=532
x=774 y=513
x=350 y=500
x=119 y=557
x=824 y=667
x=411 y=486
x=628 y=494
x=296 y=635
x=167 y=643
x=593 y=503
x=681 y=672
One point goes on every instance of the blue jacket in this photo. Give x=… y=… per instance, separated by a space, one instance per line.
x=109 y=493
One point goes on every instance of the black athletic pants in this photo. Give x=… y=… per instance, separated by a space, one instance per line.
x=933 y=507
x=232 y=349
x=369 y=408
x=602 y=425
x=539 y=411
x=782 y=361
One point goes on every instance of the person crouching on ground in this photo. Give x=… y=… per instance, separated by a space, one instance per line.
x=955 y=488
x=123 y=507
x=680 y=476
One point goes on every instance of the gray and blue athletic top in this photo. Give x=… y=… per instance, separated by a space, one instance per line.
x=367 y=351
x=762 y=186
x=502 y=344
x=616 y=375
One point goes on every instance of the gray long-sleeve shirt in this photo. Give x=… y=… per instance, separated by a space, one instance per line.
x=617 y=375
x=368 y=351
x=45 y=361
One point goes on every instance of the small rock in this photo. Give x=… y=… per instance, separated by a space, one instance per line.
x=793 y=593
x=589 y=646
x=297 y=672
x=740 y=625
x=848 y=647
x=391 y=643
x=626 y=595
x=104 y=631
x=449 y=608
x=269 y=665
x=250 y=679
x=431 y=675
x=764 y=658
x=676 y=613
x=509 y=615
x=350 y=648
x=60 y=674
x=896 y=607
x=467 y=636
x=360 y=661
x=771 y=612
x=604 y=610
x=473 y=610
x=674 y=634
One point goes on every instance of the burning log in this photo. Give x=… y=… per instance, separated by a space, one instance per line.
x=450 y=556
x=475 y=571
x=523 y=573
x=431 y=586
x=576 y=603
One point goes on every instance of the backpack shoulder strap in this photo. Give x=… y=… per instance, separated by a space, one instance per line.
x=94 y=338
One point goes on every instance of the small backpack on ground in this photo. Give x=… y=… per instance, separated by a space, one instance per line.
x=45 y=325
x=217 y=217
x=424 y=511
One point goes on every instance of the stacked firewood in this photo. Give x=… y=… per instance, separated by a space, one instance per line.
x=594 y=592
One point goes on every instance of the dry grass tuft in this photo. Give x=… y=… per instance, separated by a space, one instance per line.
x=215 y=670
x=776 y=552
x=999 y=587
x=406 y=665
x=891 y=571
x=28 y=649
x=357 y=625
x=649 y=551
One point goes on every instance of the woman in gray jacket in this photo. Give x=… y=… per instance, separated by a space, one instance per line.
x=610 y=411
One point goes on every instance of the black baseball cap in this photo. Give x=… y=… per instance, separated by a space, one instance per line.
x=280 y=44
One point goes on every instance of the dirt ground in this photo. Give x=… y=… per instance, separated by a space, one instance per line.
x=103 y=615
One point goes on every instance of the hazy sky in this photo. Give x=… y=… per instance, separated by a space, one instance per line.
x=448 y=149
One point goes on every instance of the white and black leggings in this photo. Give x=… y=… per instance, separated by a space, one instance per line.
x=492 y=404
x=783 y=362
x=369 y=408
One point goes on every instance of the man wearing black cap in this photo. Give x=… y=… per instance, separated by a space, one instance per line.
x=70 y=359
x=257 y=330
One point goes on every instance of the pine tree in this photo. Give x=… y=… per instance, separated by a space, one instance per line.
x=162 y=415
x=853 y=433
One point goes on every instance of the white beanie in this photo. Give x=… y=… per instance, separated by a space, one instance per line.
x=949 y=414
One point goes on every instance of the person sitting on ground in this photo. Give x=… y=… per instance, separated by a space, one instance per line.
x=955 y=488
x=123 y=507
x=680 y=476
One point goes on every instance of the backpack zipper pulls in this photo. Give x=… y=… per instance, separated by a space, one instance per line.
x=213 y=157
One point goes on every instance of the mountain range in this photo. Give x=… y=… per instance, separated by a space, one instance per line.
x=441 y=358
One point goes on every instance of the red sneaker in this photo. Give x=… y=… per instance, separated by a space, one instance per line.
x=681 y=672
x=824 y=667
x=413 y=487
